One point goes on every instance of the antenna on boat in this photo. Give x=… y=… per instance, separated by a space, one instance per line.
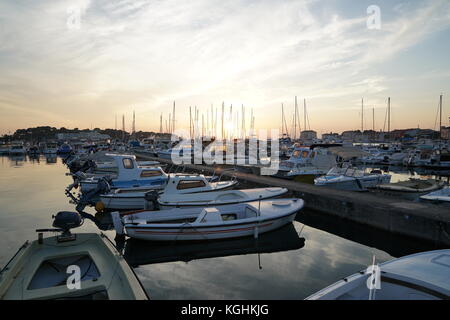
x=440 y=119
x=259 y=206
x=259 y=215
x=373 y=280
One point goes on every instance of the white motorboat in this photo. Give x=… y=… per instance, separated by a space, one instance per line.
x=47 y=268
x=197 y=223
x=397 y=159
x=217 y=198
x=130 y=175
x=410 y=189
x=177 y=185
x=352 y=179
x=439 y=196
x=421 y=276
x=306 y=164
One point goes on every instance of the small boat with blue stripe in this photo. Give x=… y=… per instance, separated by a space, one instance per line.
x=130 y=175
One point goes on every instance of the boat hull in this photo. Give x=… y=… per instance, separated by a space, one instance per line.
x=87 y=186
x=28 y=277
x=207 y=233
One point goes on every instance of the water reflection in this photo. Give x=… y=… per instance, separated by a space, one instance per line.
x=395 y=245
x=51 y=159
x=138 y=252
x=17 y=160
x=292 y=268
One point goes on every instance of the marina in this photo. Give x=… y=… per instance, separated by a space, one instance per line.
x=205 y=153
x=302 y=242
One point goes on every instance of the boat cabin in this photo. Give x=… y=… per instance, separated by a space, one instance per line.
x=129 y=169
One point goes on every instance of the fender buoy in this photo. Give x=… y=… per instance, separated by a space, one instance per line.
x=99 y=206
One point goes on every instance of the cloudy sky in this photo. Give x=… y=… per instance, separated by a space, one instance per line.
x=82 y=63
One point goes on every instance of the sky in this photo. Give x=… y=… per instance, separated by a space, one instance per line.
x=82 y=63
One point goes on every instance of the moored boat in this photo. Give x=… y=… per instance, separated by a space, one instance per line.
x=176 y=186
x=198 y=223
x=130 y=175
x=352 y=179
x=218 y=198
x=69 y=266
x=410 y=189
x=421 y=276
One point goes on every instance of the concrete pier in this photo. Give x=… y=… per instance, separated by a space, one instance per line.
x=419 y=220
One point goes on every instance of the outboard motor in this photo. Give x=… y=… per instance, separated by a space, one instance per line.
x=66 y=220
x=63 y=221
x=103 y=186
x=152 y=196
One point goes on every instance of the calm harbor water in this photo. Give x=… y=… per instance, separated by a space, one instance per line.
x=290 y=263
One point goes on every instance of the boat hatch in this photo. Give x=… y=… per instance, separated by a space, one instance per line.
x=55 y=272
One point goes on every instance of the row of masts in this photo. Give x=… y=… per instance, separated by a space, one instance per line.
x=227 y=124
x=221 y=123
x=213 y=123
x=296 y=127
x=388 y=116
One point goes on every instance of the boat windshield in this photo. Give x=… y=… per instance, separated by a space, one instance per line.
x=150 y=173
x=187 y=184
x=128 y=163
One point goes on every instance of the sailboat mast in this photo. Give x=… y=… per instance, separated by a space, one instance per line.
x=134 y=125
x=389 y=115
x=362 y=117
x=295 y=118
x=123 y=128
x=440 y=117
x=373 y=119
x=304 y=113
x=190 y=122
x=115 y=127
x=173 y=118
